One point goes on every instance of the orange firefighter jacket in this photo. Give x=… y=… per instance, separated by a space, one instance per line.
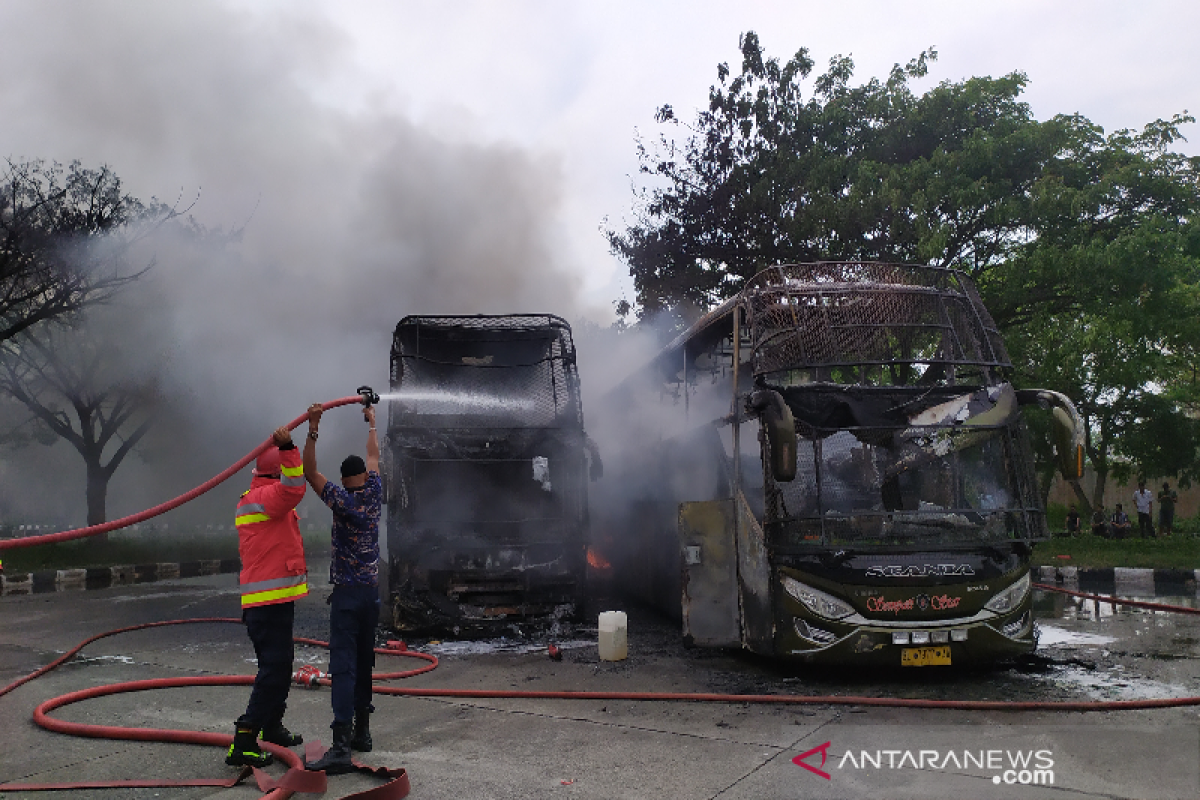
x=269 y=543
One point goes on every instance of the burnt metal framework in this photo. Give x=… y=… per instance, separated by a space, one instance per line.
x=870 y=323
x=487 y=502
x=860 y=350
x=514 y=370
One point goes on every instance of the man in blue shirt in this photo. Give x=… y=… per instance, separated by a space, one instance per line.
x=354 y=573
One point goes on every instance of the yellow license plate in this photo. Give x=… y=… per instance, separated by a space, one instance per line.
x=924 y=656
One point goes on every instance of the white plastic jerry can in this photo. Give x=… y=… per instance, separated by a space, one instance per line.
x=614 y=636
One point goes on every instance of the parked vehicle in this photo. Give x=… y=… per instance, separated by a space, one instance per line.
x=487 y=467
x=840 y=472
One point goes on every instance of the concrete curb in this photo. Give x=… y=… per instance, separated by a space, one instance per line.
x=104 y=577
x=1122 y=580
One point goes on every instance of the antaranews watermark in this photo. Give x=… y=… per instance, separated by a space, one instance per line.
x=1023 y=767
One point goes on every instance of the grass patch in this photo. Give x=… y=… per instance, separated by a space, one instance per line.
x=138 y=547
x=1178 y=551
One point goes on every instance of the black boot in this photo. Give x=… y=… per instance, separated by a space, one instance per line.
x=362 y=730
x=336 y=760
x=245 y=750
x=276 y=733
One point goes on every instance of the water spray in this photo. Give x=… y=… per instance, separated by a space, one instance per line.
x=366 y=397
x=458 y=402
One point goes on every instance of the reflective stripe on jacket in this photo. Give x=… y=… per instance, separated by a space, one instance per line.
x=269 y=543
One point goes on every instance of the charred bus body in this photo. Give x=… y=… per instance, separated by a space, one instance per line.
x=487 y=473
x=871 y=497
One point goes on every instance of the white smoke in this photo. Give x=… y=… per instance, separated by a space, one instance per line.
x=351 y=220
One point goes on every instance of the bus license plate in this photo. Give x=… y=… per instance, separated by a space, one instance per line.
x=924 y=656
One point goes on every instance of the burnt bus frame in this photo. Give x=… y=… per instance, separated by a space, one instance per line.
x=766 y=622
x=444 y=576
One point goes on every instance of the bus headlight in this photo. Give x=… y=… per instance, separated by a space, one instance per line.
x=1011 y=597
x=819 y=603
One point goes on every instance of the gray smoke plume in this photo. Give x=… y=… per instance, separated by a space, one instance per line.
x=349 y=221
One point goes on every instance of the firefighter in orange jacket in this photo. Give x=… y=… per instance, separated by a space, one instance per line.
x=274 y=576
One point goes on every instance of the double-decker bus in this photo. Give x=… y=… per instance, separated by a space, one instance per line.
x=832 y=467
x=487 y=466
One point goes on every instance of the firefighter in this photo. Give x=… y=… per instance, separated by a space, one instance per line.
x=354 y=603
x=274 y=575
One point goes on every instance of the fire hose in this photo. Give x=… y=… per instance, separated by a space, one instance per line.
x=298 y=779
x=365 y=395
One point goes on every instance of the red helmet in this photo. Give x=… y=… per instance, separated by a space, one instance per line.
x=268 y=462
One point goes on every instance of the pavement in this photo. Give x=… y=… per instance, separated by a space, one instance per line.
x=531 y=748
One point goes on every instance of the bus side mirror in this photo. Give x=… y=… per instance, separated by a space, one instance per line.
x=775 y=416
x=1067 y=448
x=1068 y=429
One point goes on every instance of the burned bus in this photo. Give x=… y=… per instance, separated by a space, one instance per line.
x=487 y=466
x=840 y=472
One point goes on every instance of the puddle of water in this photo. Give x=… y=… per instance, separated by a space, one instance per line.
x=1051 y=636
x=1112 y=684
x=315 y=655
x=94 y=659
x=498 y=646
x=1054 y=605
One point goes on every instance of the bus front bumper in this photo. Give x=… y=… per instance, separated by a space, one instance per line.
x=942 y=643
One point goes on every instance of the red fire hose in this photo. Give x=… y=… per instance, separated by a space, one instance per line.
x=1119 y=601
x=297 y=779
x=162 y=508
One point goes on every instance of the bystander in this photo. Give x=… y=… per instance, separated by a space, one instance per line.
x=1166 y=509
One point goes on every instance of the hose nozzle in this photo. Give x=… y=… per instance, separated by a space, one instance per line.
x=369 y=396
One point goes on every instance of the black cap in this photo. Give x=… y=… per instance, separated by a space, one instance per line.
x=353 y=465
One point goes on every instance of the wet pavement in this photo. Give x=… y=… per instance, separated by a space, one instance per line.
x=455 y=748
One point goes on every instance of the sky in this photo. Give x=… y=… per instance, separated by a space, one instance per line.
x=395 y=158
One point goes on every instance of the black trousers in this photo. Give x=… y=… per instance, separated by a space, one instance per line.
x=270 y=629
x=354 y=613
x=1145 y=525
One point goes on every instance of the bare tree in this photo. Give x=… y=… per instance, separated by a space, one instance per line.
x=81 y=385
x=65 y=238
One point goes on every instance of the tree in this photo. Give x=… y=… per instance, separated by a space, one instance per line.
x=85 y=385
x=867 y=172
x=65 y=238
x=1069 y=233
x=66 y=241
x=1102 y=302
x=1115 y=370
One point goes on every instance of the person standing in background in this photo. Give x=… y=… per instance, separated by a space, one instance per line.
x=1166 y=509
x=1073 y=522
x=1143 y=501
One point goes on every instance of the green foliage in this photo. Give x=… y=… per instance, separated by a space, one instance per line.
x=1187 y=527
x=1085 y=246
x=1092 y=552
x=122 y=547
x=854 y=172
x=1056 y=517
x=127 y=547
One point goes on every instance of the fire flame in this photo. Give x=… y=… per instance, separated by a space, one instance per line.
x=597 y=561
